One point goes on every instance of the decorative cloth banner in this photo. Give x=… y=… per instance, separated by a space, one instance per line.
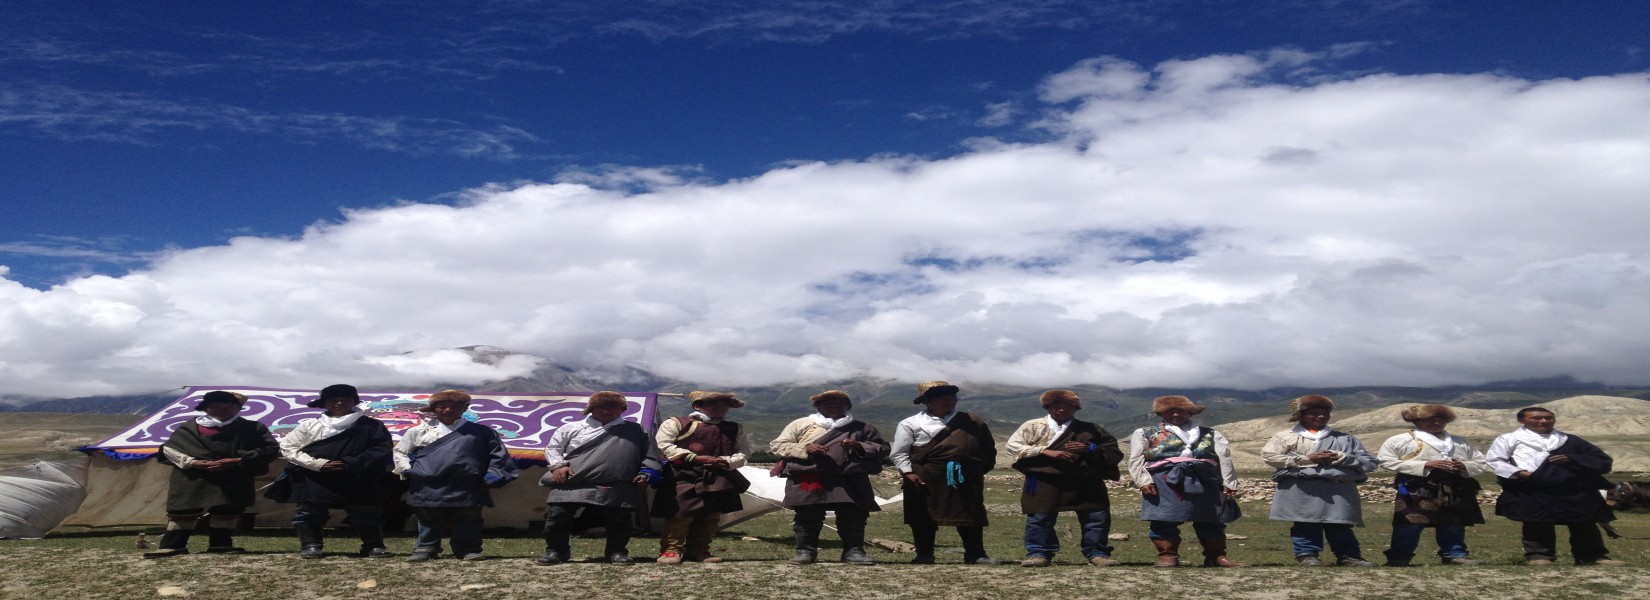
x=524 y=421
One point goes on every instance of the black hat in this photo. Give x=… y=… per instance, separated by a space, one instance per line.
x=341 y=390
x=220 y=396
x=934 y=389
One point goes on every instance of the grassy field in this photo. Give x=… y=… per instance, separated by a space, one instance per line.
x=104 y=564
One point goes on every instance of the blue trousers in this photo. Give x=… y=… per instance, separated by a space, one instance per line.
x=1042 y=541
x=1452 y=541
x=1308 y=539
x=466 y=528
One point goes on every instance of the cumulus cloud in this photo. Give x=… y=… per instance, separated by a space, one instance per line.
x=1223 y=221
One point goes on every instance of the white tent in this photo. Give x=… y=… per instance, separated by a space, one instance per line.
x=35 y=498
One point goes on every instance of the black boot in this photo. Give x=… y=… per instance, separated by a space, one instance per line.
x=309 y=540
x=372 y=542
x=923 y=539
x=973 y=539
x=172 y=543
x=807 y=542
x=851 y=527
x=220 y=540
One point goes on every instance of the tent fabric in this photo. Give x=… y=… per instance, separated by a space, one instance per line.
x=34 y=499
x=767 y=494
x=122 y=488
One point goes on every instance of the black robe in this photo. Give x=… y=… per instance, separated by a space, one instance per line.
x=192 y=489
x=967 y=442
x=364 y=449
x=1561 y=492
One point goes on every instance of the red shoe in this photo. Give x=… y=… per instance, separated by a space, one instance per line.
x=669 y=558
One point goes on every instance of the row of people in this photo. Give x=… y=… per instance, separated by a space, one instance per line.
x=1184 y=473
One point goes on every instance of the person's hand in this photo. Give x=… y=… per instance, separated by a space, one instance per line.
x=1444 y=465
x=814 y=449
x=1322 y=458
x=852 y=444
x=1149 y=489
x=1521 y=475
x=1558 y=459
x=914 y=479
x=1060 y=455
x=640 y=479
x=203 y=465
x=706 y=460
x=1075 y=447
x=1231 y=493
x=333 y=465
x=561 y=474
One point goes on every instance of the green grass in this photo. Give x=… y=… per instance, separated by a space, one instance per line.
x=102 y=563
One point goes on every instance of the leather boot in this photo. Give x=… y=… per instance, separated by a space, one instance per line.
x=309 y=540
x=807 y=543
x=700 y=534
x=973 y=539
x=220 y=540
x=172 y=543
x=1214 y=553
x=1168 y=552
x=923 y=539
x=673 y=540
x=372 y=542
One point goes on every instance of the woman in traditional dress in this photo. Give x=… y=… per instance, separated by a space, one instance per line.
x=1435 y=486
x=1318 y=472
x=1185 y=474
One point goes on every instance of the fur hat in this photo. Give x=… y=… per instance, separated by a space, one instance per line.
x=934 y=389
x=458 y=396
x=1163 y=403
x=221 y=396
x=340 y=390
x=830 y=395
x=1428 y=411
x=702 y=396
x=605 y=398
x=1308 y=401
x=1067 y=396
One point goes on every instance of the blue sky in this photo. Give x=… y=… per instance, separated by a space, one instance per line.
x=138 y=140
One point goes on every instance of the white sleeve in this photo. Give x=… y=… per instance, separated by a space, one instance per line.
x=900 y=453
x=1023 y=443
x=1137 y=459
x=555 y=452
x=741 y=449
x=292 y=445
x=178 y=459
x=1228 y=471
x=1393 y=451
x=1500 y=459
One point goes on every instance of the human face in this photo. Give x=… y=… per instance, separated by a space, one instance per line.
x=1433 y=425
x=1539 y=421
x=714 y=409
x=1315 y=419
x=940 y=406
x=833 y=408
x=1176 y=416
x=222 y=411
x=448 y=412
x=606 y=413
x=1062 y=411
x=338 y=406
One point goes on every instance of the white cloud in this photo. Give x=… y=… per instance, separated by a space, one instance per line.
x=1196 y=223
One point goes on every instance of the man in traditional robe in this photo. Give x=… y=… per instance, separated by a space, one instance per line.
x=601 y=462
x=827 y=460
x=705 y=451
x=1185 y=474
x=217 y=456
x=1066 y=462
x=449 y=464
x=1549 y=477
x=1318 y=472
x=1435 y=486
x=336 y=460
x=943 y=455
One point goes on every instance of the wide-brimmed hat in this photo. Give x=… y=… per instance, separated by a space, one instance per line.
x=1427 y=411
x=1163 y=403
x=339 y=390
x=830 y=395
x=696 y=397
x=1067 y=396
x=221 y=396
x=1308 y=401
x=601 y=398
x=934 y=389
x=459 y=396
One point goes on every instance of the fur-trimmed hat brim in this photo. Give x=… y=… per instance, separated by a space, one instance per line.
x=1162 y=404
x=1066 y=396
x=934 y=389
x=830 y=395
x=1428 y=411
x=701 y=396
x=1306 y=402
